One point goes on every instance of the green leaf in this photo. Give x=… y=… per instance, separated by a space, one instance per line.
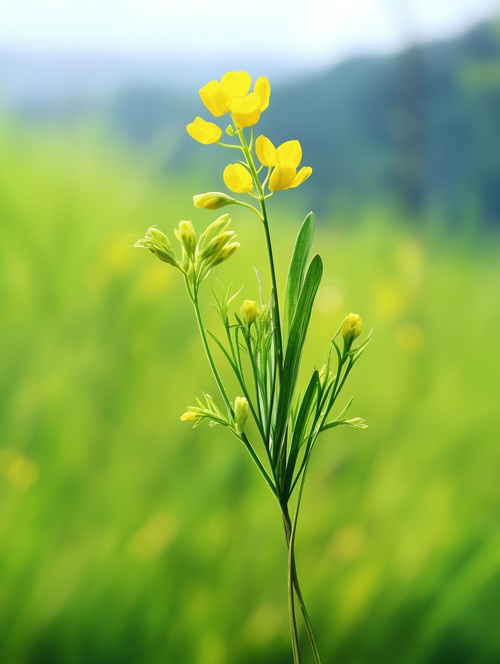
x=296 y=339
x=299 y=428
x=297 y=269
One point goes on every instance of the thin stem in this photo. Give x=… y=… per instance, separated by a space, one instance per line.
x=290 y=588
x=305 y=615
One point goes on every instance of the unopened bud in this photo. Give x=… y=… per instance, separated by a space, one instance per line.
x=188 y=416
x=159 y=244
x=249 y=311
x=226 y=252
x=241 y=410
x=186 y=236
x=230 y=130
x=212 y=200
x=351 y=328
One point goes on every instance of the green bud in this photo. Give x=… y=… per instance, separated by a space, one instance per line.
x=226 y=252
x=230 y=130
x=215 y=228
x=159 y=244
x=241 y=410
x=249 y=311
x=215 y=245
x=187 y=237
x=212 y=200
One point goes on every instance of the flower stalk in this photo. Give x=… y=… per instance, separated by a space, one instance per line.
x=262 y=340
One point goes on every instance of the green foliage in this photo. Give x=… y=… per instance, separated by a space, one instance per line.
x=127 y=537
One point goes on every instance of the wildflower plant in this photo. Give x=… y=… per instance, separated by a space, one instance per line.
x=262 y=341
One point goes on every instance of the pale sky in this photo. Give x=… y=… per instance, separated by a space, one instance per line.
x=322 y=31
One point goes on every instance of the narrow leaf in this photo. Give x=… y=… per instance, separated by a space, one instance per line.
x=300 y=425
x=296 y=339
x=298 y=265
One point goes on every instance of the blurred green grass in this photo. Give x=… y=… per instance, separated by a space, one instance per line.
x=125 y=536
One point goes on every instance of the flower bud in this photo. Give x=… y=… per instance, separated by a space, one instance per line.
x=351 y=328
x=159 y=244
x=187 y=237
x=241 y=410
x=249 y=311
x=188 y=416
x=226 y=252
x=212 y=200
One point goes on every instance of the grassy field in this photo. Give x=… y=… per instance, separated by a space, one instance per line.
x=128 y=537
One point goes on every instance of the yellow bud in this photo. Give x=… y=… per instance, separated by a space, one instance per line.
x=226 y=252
x=237 y=178
x=246 y=112
x=189 y=416
x=249 y=311
x=241 y=410
x=203 y=131
x=351 y=328
x=263 y=89
x=186 y=236
x=215 y=98
x=212 y=200
x=265 y=151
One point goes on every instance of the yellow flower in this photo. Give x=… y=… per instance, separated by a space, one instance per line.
x=263 y=89
x=288 y=178
x=203 y=131
x=246 y=111
x=266 y=152
x=236 y=84
x=232 y=94
x=237 y=178
x=284 y=160
x=215 y=98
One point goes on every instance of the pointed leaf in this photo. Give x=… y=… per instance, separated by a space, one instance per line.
x=296 y=339
x=298 y=265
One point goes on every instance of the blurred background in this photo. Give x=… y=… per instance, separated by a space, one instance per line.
x=124 y=535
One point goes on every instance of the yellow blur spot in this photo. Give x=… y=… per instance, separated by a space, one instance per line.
x=329 y=299
x=19 y=470
x=153 y=281
x=212 y=650
x=151 y=541
x=409 y=337
x=263 y=625
x=389 y=301
x=357 y=592
x=348 y=543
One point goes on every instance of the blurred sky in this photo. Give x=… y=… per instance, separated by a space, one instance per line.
x=321 y=31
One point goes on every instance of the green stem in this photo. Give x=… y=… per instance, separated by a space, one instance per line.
x=290 y=587
x=305 y=615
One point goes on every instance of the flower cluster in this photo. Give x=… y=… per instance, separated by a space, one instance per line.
x=231 y=95
x=215 y=245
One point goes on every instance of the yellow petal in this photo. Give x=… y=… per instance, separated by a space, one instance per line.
x=237 y=178
x=203 y=131
x=263 y=89
x=236 y=84
x=246 y=112
x=281 y=178
x=301 y=176
x=215 y=98
x=289 y=154
x=265 y=151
